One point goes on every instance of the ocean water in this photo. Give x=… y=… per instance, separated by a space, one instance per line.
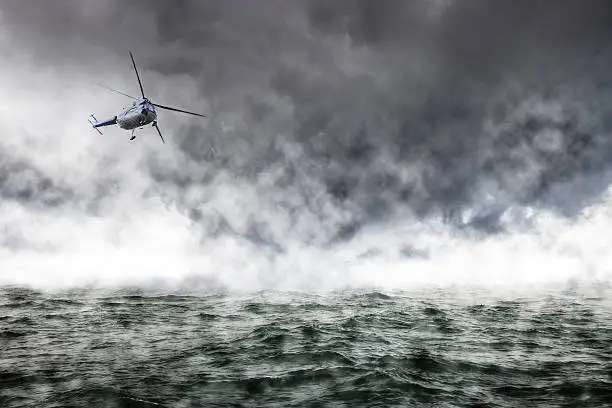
x=429 y=348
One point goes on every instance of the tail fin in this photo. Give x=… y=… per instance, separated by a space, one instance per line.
x=93 y=124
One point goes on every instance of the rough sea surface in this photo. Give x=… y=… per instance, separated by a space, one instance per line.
x=431 y=348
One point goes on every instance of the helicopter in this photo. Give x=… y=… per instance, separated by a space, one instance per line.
x=139 y=114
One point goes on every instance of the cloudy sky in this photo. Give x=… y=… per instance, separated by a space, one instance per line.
x=347 y=143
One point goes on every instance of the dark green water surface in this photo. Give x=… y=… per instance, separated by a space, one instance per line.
x=428 y=348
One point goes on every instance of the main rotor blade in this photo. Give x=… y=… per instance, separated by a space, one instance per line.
x=114 y=90
x=177 y=110
x=160 y=135
x=137 y=76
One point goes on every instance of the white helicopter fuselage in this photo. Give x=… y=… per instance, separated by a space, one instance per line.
x=139 y=114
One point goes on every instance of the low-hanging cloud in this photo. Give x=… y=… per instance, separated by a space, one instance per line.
x=328 y=118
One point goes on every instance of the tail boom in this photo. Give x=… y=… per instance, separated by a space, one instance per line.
x=95 y=124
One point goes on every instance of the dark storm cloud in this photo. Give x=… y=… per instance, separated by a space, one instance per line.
x=29 y=184
x=437 y=90
x=22 y=182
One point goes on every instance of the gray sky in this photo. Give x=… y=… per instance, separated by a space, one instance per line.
x=326 y=119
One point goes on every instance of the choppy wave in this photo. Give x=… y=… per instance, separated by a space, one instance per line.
x=437 y=348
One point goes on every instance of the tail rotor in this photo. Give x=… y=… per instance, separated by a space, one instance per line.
x=93 y=124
